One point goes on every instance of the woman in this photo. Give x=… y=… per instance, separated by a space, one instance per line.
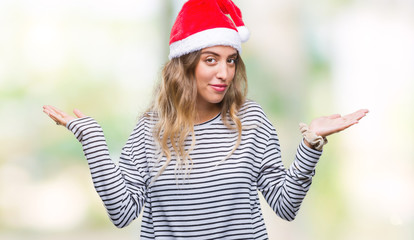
x=197 y=157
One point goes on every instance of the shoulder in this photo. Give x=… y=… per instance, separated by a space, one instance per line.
x=149 y=116
x=252 y=114
x=145 y=123
x=251 y=108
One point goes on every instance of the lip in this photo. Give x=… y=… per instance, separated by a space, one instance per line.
x=219 y=87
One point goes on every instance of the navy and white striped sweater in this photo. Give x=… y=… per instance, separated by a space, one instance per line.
x=219 y=199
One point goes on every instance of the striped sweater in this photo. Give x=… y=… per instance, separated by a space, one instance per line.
x=219 y=199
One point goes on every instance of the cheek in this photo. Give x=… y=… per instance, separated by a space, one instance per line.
x=201 y=75
x=200 y=81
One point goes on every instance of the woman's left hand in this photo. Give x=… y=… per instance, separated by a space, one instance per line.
x=325 y=126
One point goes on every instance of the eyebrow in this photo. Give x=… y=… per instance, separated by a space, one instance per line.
x=216 y=54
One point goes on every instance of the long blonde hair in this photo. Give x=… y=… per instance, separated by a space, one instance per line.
x=175 y=108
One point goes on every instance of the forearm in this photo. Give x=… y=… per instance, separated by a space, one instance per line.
x=106 y=175
x=286 y=191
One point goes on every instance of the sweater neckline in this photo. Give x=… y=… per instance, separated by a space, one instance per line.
x=208 y=122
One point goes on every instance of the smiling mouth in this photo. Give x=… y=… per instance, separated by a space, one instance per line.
x=219 y=87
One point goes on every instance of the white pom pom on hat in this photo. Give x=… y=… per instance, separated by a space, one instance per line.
x=207 y=23
x=243 y=33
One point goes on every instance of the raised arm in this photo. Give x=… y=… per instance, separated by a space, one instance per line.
x=285 y=189
x=122 y=188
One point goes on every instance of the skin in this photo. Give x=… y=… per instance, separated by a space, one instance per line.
x=214 y=74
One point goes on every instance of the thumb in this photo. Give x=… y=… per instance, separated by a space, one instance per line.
x=78 y=113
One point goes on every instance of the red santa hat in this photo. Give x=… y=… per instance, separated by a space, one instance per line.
x=205 y=23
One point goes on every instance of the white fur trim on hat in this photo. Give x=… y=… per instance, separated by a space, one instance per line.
x=206 y=38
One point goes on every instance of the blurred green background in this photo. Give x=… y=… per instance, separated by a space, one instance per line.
x=304 y=59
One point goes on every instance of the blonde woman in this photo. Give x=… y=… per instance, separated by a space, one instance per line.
x=198 y=157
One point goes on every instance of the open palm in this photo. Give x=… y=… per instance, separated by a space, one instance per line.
x=60 y=117
x=328 y=125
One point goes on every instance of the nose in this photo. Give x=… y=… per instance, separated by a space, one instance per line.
x=222 y=71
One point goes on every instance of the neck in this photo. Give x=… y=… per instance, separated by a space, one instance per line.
x=206 y=112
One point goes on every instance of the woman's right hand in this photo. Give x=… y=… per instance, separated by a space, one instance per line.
x=60 y=117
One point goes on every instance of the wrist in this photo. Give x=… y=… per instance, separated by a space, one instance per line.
x=307 y=143
x=311 y=139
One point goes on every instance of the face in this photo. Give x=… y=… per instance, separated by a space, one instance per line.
x=214 y=73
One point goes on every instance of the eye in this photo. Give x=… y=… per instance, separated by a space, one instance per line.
x=232 y=60
x=210 y=60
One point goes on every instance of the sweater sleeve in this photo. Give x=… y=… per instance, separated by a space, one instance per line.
x=122 y=188
x=284 y=189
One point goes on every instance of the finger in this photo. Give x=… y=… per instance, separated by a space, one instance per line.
x=78 y=113
x=55 y=117
x=357 y=115
x=54 y=114
x=353 y=118
x=47 y=108
x=50 y=110
x=363 y=112
x=344 y=125
x=58 y=111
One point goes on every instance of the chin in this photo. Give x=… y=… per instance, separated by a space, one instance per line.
x=217 y=101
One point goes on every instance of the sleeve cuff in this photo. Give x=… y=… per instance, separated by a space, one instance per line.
x=70 y=125
x=311 y=150
x=81 y=127
x=306 y=159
